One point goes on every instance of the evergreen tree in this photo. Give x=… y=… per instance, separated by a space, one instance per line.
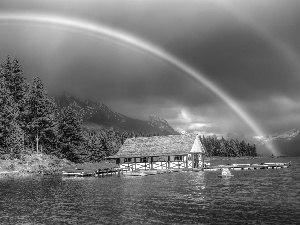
x=6 y=69
x=242 y=147
x=15 y=81
x=41 y=115
x=229 y=148
x=95 y=146
x=113 y=142
x=11 y=134
x=70 y=134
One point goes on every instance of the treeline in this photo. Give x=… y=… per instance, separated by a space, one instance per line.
x=227 y=148
x=31 y=122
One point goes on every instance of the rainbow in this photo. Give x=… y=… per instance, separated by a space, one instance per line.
x=289 y=55
x=123 y=37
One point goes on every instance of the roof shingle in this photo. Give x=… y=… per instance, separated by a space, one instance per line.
x=157 y=146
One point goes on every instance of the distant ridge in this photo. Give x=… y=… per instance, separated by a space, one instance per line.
x=287 y=142
x=99 y=116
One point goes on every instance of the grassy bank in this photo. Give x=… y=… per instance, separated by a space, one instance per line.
x=32 y=165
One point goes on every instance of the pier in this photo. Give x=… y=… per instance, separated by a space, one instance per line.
x=248 y=166
x=102 y=170
x=92 y=169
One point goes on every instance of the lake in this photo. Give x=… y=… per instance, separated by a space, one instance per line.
x=250 y=197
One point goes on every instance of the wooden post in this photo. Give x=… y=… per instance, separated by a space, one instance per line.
x=193 y=163
x=37 y=142
x=168 y=162
x=134 y=163
x=151 y=159
x=186 y=161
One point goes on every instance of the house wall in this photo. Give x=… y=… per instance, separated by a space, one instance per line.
x=158 y=162
x=162 y=162
x=195 y=160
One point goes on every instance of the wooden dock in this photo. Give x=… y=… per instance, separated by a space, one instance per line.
x=92 y=169
x=249 y=166
x=101 y=170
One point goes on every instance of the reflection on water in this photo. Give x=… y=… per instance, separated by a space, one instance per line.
x=250 y=197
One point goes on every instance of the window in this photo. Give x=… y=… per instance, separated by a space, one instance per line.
x=127 y=160
x=144 y=159
x=178 y=158
x=163 y=158
x=137 y=160
x=155 y=159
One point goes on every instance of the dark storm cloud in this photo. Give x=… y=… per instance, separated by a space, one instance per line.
x=238 y=59
x=238 y=47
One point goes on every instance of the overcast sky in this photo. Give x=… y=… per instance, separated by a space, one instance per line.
x=249 y=50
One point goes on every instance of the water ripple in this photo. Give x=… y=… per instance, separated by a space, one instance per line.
x=250 y=197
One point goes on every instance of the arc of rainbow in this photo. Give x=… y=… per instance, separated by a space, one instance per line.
x=289 y=55
x=144 y=46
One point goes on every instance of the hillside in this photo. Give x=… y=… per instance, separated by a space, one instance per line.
x=99 y=116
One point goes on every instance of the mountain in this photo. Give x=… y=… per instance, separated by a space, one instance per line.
x=287 y=142
x=99 y=116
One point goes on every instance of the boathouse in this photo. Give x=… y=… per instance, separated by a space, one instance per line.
x=161 y=152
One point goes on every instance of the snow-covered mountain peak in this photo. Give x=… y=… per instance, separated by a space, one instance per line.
x=284 y=135
x=102 y=116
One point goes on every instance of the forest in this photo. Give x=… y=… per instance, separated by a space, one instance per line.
x=32 y=122
x=227 y=148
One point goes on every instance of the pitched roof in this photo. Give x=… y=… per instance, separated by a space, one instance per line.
x=197 y=146
x=159 y=146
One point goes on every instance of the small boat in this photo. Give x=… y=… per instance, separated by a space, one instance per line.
x=140 y=174
x=225 y=173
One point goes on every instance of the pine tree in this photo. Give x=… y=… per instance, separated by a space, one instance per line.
x=95 y=146
x=15 y=81
x=6 y=68
x=70 y=133
x=242 y=148
x=41 y=115
x=11 y=134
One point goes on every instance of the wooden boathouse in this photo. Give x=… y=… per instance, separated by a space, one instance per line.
x=161 y=152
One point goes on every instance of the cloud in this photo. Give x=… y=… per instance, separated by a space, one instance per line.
x=226 y=49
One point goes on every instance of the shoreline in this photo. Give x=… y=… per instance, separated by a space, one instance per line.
x=32 y=165
x=41 y=164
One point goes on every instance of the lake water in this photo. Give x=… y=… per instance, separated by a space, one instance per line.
x=250 y=197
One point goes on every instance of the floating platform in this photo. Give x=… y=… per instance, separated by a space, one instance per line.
x=225 y=176
x=90 y=169
x=150 y=172
x=78 y=172
x=175 y=170
x=249 y=166
x=140 y=174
